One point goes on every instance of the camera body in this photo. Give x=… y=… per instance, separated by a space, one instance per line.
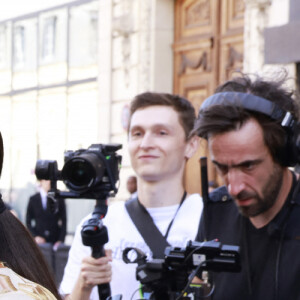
x=213 y=255
x=169 y=276
x=87 y=173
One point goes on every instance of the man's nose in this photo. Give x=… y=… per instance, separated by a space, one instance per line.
x=147 y=141
x=234 y=182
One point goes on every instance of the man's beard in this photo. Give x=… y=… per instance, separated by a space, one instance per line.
x=270 y=193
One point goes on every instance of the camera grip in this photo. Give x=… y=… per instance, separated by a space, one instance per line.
x=94 y=234
x=104 y=288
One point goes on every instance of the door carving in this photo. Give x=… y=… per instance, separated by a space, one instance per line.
x=208 y=49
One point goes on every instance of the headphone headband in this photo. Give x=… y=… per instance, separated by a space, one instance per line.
x=251 y=102
x=290 y=155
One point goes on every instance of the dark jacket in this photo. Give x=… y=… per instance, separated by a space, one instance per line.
x=270 y=256
x=46 y=223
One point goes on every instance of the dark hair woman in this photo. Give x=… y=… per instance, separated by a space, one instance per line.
x=24 y=273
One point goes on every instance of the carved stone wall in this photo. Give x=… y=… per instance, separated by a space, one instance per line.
x=142 y=37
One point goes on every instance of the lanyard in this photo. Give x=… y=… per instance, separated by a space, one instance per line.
x=172 y=221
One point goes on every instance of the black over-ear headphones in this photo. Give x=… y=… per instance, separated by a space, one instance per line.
x=268 y=108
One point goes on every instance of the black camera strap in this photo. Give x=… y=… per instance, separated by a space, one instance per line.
x=146 y=227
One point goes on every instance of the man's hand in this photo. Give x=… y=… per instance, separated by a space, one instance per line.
x=93 y=271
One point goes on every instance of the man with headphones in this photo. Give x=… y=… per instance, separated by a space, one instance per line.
x=252 y=130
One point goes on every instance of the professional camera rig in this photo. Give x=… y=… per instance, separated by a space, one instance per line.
x=170 y=278
x=90 y=173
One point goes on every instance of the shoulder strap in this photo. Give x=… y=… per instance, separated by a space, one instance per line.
x=219 y=195
x=146 y=227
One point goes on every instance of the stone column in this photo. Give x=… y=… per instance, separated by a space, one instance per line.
x=256 y=19
x=104 y=74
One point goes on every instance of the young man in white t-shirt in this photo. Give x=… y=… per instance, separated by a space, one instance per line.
x=159 y=147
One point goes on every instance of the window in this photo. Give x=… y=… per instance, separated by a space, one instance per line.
x=19 y=46
x=3 y=43
x=49 y=39
x=93 y=34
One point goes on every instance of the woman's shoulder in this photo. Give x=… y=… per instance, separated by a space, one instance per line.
x=14 y=286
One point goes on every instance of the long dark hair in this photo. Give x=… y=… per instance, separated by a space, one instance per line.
x=19 y=251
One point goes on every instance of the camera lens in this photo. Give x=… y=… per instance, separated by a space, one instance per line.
x=82 y=172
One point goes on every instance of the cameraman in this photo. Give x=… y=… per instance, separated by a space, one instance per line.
x=252 y=148
x=159 y=146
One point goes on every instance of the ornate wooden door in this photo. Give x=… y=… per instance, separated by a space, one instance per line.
x=208 y=47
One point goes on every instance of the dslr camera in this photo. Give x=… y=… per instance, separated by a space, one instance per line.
x=88 y=173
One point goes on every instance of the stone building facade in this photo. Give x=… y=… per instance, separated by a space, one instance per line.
x=68 y=73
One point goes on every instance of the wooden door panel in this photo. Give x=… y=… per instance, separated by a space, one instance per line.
x=196 y=94
x=195 y=81
x=232 y=17
x=231 y=38
x=194 y=18
x=191 y=64
x=231 y=58
x=208 y=47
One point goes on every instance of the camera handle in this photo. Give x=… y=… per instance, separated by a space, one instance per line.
x=94 y=234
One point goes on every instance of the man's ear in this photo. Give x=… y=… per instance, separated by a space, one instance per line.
x=192 y=146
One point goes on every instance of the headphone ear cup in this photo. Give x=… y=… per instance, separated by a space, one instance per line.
x=284 y=153
x=292 y=152
x=296 y=143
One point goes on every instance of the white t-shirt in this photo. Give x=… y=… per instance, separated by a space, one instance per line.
x=123 y=233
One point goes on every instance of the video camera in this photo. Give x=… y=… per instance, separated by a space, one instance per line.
x=87 y=173
x=170 y=277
